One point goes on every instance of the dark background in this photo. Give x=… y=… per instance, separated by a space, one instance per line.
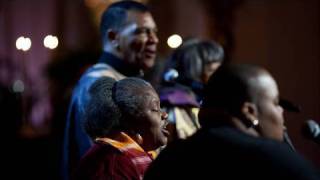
x=281 y=35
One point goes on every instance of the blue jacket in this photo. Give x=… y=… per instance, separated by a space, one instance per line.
x=76 y=142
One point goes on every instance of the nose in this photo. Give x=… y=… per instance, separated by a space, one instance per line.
x=281 y=110
x=153 y=38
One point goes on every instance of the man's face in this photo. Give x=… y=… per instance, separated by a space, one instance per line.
x=138 y=40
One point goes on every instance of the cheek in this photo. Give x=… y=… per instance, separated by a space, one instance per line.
x=271 y=122
x=154 y=134
x=137 y=44
x=156 y=125
x=266 y=112
x=276 y=114
x=153 y=125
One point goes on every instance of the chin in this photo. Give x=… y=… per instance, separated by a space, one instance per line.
x=161 y=143
x=278 y=138
x=148 y=63
x=147 y=67
x=164 y=142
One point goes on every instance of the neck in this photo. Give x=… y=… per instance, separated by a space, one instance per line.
x=214 y=117
x=237 y=123
x=120 y=65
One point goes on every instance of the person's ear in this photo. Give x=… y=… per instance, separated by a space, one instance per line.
x=113 y=38
x=250 y=112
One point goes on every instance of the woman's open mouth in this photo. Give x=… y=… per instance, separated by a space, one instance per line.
x=164 y=129
x=165 y=132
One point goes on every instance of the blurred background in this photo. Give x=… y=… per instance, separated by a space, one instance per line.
x=45 y=45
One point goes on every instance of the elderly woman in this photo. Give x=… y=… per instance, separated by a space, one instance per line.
x=241 y=135
x=125 y=121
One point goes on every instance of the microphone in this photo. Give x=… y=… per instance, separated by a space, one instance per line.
x=289 y=106
x=171 y=75
x=311 y=130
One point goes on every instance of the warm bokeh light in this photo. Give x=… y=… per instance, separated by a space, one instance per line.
x=23 y=43
x=27 y=44
x=174 y=41
x=50 y=42
x=19 y=42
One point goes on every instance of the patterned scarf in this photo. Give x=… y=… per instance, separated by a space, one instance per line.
x=130 y=148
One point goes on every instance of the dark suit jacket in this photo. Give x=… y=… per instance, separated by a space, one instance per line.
x=226 y=153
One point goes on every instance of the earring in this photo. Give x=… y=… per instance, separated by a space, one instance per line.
x=139 y=139
x=255 y=122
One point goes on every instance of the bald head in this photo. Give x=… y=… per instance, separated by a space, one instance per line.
x=232 y=85
x=247 y=94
